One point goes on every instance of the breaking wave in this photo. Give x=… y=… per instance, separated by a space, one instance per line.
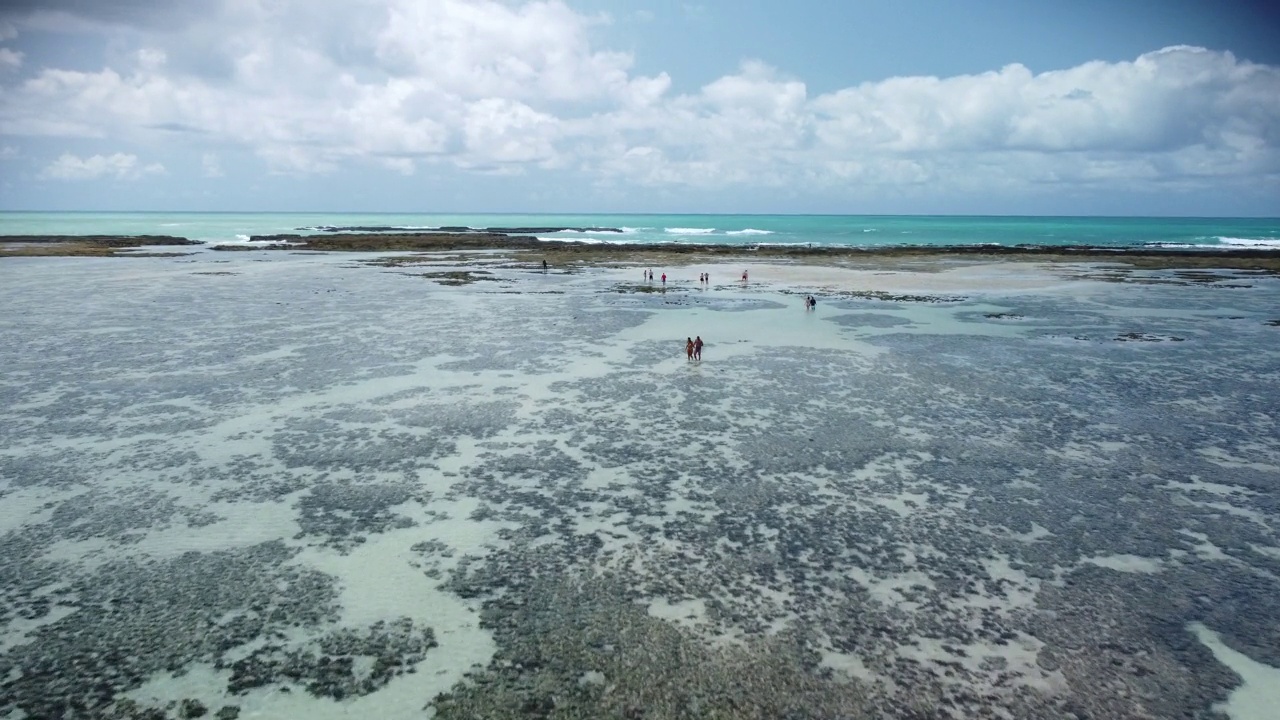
x=1250 y=242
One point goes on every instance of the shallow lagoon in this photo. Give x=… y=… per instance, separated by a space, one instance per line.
x=286 y=485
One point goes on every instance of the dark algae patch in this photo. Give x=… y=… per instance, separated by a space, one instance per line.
x=460 y=277
x=571 y=648
x=896 y=297
x=1147 y=337
x=138 y=619
x=341 y=665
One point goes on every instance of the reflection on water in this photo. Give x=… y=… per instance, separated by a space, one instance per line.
x=303 y=486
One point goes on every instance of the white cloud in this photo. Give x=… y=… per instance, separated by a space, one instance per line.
x=1176 y=112
x=505 y=86
x=404 y=166
x=210 y=166
x=151 y=59
x=120 y=165
x=505 y=131
x=1164 y=101
x=295 y=160
x=480 y=49
x=10 y=59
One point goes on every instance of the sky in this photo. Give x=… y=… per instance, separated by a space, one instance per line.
x=1055 y=107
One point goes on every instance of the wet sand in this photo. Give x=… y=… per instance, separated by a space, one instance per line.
x=283 y=484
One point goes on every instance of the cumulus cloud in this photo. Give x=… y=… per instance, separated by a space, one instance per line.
x=310 y=91
x=1163 y=101
x=210 y=166
x=119 y=165
x=1172 y=113
x=504 y=86
x=506 y=131
x=482 y=49
x=10 y=59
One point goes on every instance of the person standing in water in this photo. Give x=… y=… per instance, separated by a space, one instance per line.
x=688 y=347
x=697 y=349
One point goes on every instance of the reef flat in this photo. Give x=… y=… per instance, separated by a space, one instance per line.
x=85 y=245
x=561 y=252
x=520 y=244
x=449 y=483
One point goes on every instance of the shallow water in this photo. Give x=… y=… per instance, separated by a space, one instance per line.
x=297 y=484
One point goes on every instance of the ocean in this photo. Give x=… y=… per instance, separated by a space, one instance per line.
x=818 y=230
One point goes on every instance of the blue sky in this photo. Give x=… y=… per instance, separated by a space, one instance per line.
x=1168 y=107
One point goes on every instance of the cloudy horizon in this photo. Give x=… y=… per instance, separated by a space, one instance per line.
x=602 y=106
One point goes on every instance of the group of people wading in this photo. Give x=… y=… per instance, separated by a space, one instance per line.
x=693 y=346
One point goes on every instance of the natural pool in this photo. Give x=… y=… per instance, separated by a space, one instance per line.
x=300 y=485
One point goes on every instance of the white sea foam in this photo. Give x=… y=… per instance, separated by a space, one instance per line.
x=749 y=231
x=586 y=240
x=1249 y=242
x=689 y=231
x=243 y=239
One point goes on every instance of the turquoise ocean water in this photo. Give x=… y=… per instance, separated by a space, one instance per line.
x=847 y=230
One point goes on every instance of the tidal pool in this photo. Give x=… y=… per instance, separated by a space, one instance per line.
x=283 y=485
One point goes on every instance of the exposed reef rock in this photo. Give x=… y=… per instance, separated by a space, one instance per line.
x=529 y=230
x=88 y=245
x=114 y=241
